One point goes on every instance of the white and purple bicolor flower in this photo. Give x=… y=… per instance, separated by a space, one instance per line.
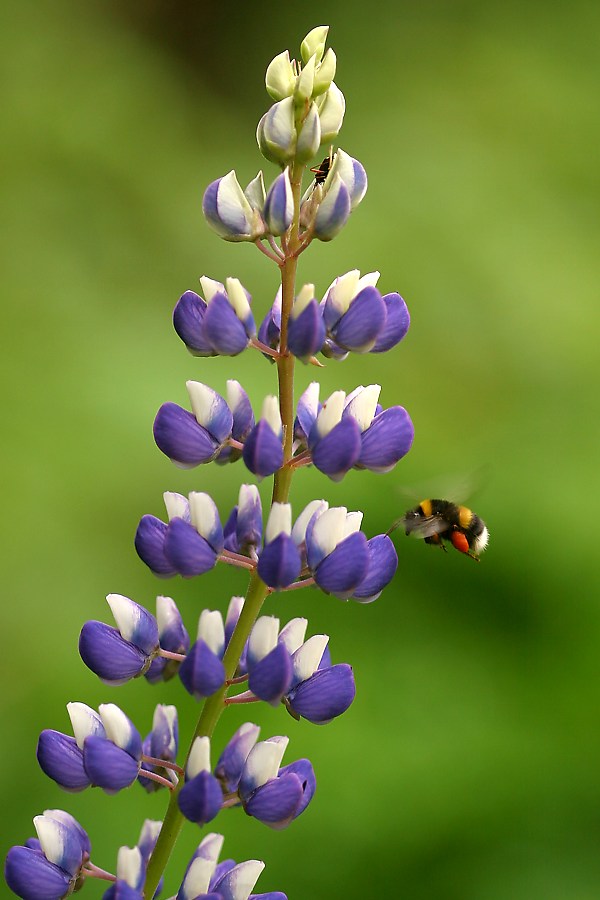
x=243 y=529
x=306 y=329
x=231 y=211
x=235 y=753
x=333 y=439
x=319 y=691
x=173 y=638
x=354 y=312
x=191 y=541
x=268 y=661
x=278 y=210
x=220 y=325
x=276 y=132
x=352 y=431
x=202 y=672
x=263 y=449
x=352 y=174
x=243 y=422
x=191 y=439
x=386 y=435
x=106 y=751
x=269 y=332
x=272 y=794
x=204 y=879
x=118 y=654
x=49 y=867
x=279 y=562
x=131 y=873
x=333 y=210
x=201 y=796
x=161 y=743
x=339 y=556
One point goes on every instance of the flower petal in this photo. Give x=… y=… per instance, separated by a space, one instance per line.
x=386 y=440
x=326 y=694
x=342 y=571
x=188 y=552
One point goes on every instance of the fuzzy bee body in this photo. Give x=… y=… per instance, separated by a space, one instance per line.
x=436 y=521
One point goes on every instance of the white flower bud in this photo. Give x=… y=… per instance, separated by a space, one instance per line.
x=305 y=82
x=309 y=139
x=332 y=107
x=276 y=133
x=280 y=78
x=314 y=43
x=325 y=73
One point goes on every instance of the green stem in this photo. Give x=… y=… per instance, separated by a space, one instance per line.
x=211 y=711
x=285 y=363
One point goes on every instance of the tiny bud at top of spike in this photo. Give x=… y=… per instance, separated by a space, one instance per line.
x=280 y=78
x=325 y=73
x=314 y=43
x=305 y=82
x=332 y=106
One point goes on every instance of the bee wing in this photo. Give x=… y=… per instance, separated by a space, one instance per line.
x=425 y=527
x=457 y=488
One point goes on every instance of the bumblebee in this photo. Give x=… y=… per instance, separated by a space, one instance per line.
x=436 y=521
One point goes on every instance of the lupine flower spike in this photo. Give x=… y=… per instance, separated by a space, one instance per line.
x=241 y=652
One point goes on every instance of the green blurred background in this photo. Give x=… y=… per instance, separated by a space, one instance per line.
x=468 y=767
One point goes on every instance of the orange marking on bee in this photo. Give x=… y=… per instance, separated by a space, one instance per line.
x=459 y=541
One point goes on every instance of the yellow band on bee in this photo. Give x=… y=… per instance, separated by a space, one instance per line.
x=425 y=507
x=465 y=516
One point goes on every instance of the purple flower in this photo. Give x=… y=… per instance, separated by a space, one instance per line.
x=243 y=421
x=270 y=329
x=191 y=440
x=278 y=210
x=205 y=880
x=334 y=440
x=243 y=529
x=222 y=324
x=202 y=672
x=118 y=654
x=279 y=562
x=161 y=743
x=61 y=756
x=352 y=174
x=306 y=329
x=337 y=551
x=269 y=662
x=383 y=562
x=385 y=435
x=354 y=312
x=151 y=535
x=263 y=449
x=319 y=692
x=113 y=762
x=396 y=325
x=272 y=794
x=228 y=211
x=231 y=762
x=190 y=544
x=51 y=868
x=200 y=798
x=172 y=637
x=333 y=210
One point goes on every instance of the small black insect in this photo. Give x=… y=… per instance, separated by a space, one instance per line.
x=322 y=171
